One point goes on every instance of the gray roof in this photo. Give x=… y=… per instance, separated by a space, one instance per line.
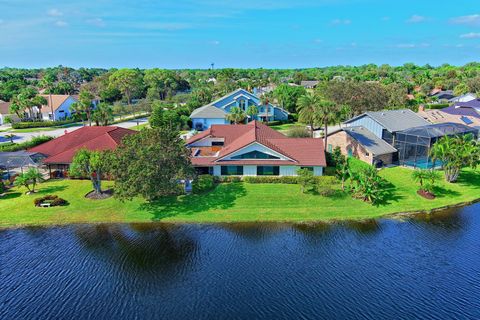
x=208 y=111
x=309 y=83
x=369 y=140
x=20 y=159
x=395 y=120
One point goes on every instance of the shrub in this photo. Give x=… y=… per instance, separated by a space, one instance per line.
x=228 y=179
x=306 y=180
x=299 y=132
x=203 y=183
x=54 y=201
x=40 y=124
x=437 y=106
x=35 y=141
x=368 y=185
x=271 y=179
x=325 y=185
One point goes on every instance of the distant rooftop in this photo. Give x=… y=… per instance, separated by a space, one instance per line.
x=394 y=120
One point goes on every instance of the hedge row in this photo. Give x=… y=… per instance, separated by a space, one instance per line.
x=40 y=124
x=437 y=106
x=322 y=180
x=11 y=147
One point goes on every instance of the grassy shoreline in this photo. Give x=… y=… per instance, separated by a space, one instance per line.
x=235 y=202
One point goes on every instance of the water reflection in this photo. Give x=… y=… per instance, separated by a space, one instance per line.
x=138 y=247
x=426 y=266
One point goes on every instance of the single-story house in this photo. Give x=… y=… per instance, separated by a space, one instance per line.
x=4 y=111
x=206 y=116
x=59 y=152
x=58 y=107
x=439 y=116
x=384 y=124
x=309 y=84
x=362 y=144
x=254 y=149
x=442 y=94
x=470 y=108
x=464 y=98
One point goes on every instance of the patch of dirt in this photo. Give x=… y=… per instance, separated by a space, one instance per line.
x=95 y=196
x=426 y=194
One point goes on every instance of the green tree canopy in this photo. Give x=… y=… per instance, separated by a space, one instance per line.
x=150 y=163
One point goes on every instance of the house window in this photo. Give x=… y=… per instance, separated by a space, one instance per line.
x=217 y=143
x=268 y=170
x=241 y=104
x=330 y=148
x=350 y=152
x=308 y=168
x=255 y=155
x=232 y=170
x=367 y=154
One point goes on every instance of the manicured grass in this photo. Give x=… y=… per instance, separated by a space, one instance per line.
x=283 y=128
x=230 y=203
x=140 y=126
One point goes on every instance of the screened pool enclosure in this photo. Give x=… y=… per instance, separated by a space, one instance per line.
x=414 y=144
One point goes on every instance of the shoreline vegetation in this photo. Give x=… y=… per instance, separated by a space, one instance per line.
x=233 y=202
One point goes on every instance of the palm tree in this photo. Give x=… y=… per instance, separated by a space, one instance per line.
x=103 y=114
x=84 y=105
x=32 y=176
x=326 y=113
x=307 y=108
x=252 y=111
x=236 y=115
x=265 y=101
x=10 y=137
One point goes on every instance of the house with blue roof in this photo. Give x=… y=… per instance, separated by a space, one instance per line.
x=217 y=111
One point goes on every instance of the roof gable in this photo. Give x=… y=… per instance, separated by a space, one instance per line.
x=208 y=111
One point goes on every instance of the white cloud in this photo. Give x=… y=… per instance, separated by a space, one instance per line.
x=341 y=22
x=471 y=35
x=97 y=22
x=55 y=12
x=416 y=19
x=412 y=45
x=61 y=23
x=473 y=20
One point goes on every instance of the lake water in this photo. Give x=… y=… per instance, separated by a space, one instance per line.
x=423 y=267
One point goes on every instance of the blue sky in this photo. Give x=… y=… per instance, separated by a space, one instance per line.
x=241 y=33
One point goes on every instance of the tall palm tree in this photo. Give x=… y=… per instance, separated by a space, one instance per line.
x=307 y=108
x=252 y=111
x=326 y=113
x=236 y=115
x=265 y=101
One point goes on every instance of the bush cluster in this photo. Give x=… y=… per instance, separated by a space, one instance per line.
x=437 y=106
x=271 y=179
x=203 y=183
x=54 y=201
x=228 y=179
x=40 y=124
x=35 y=141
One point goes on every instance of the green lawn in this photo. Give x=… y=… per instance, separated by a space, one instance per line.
x=283 y=128
x=140 y=126
x=229 y=203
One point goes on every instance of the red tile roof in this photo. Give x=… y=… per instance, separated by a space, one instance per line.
x=301 y=151
x=63 y=149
